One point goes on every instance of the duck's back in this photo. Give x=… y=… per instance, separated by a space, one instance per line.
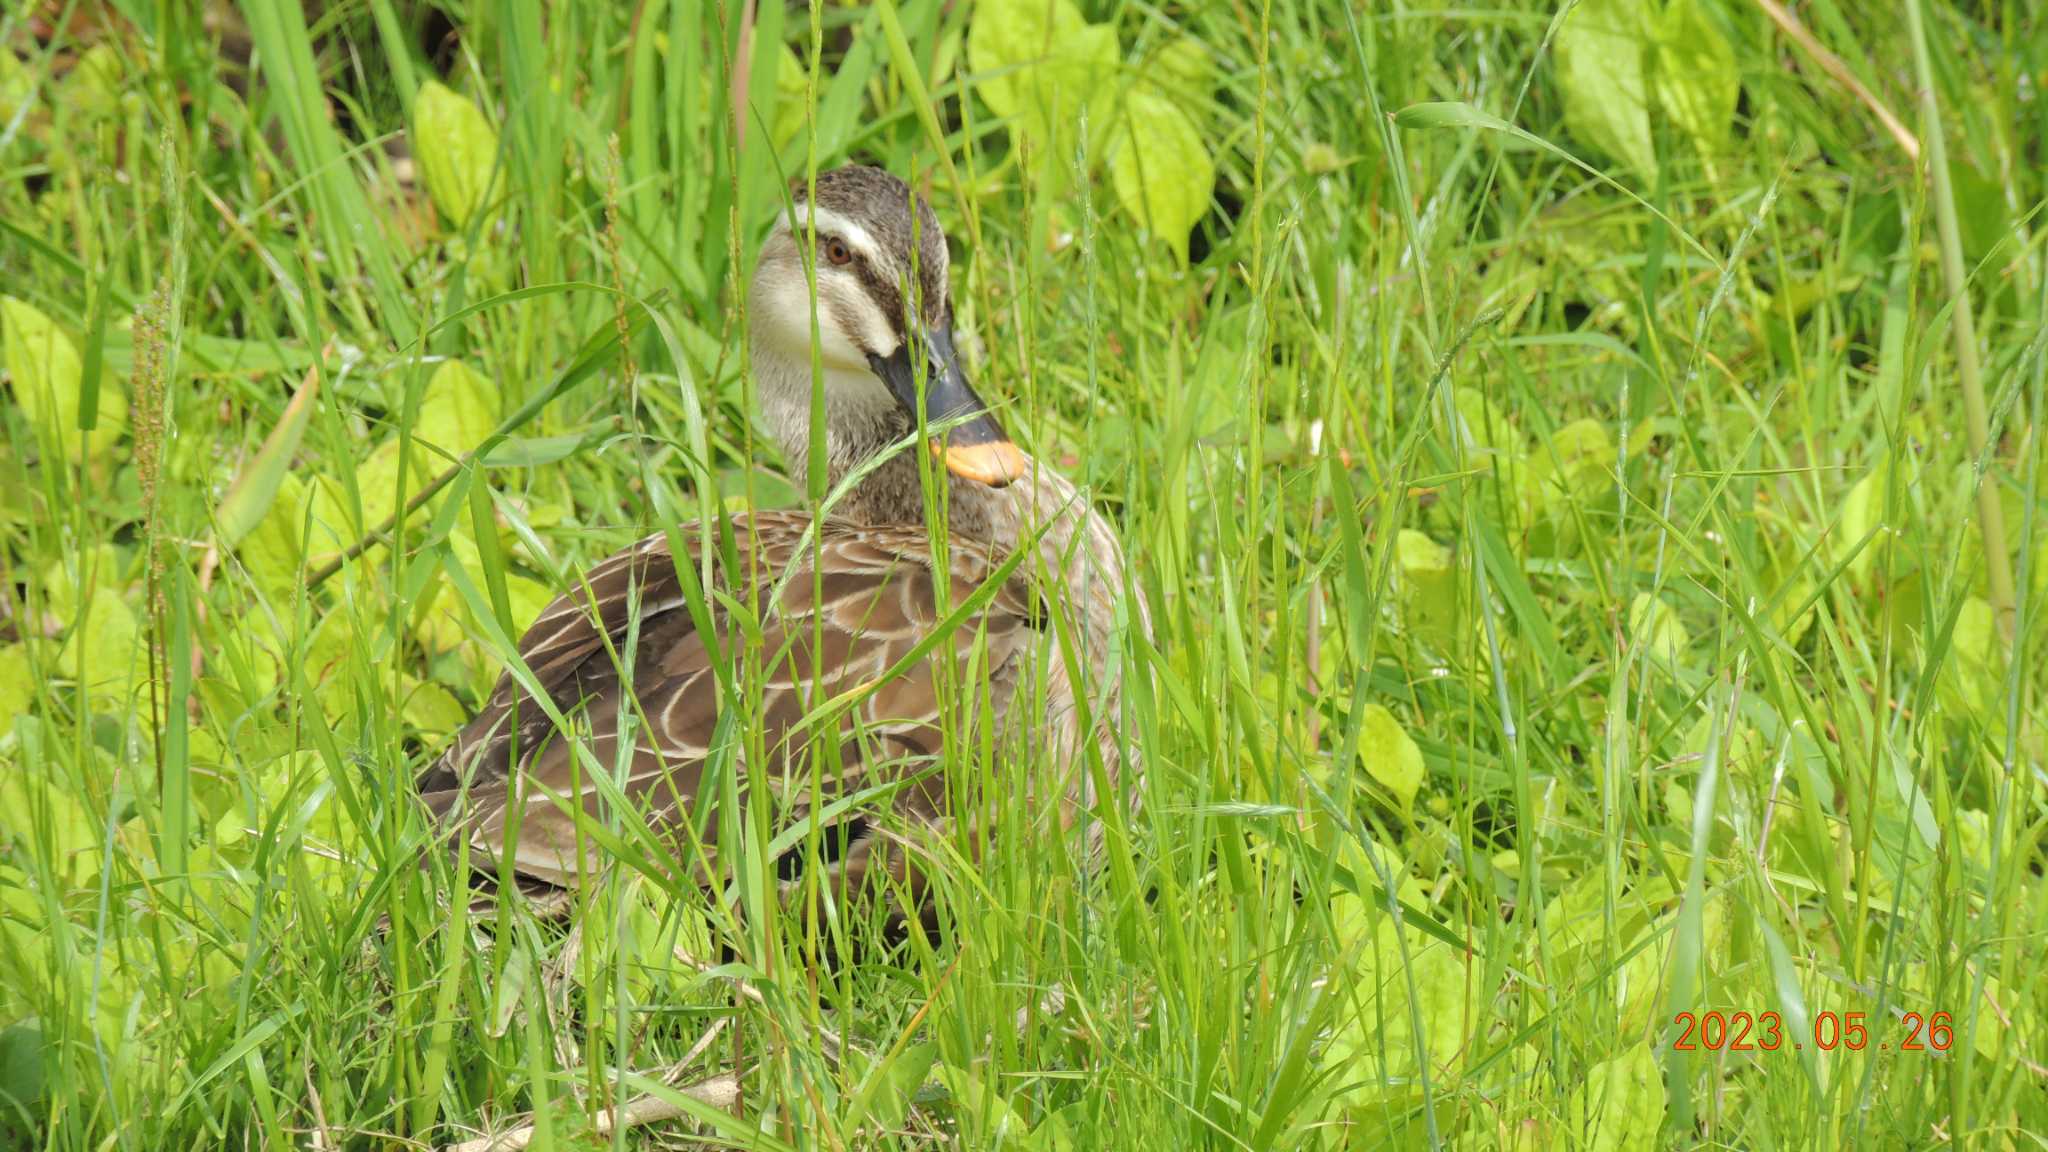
x=842 y=634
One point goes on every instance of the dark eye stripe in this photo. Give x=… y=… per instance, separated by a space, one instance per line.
x=881 y=289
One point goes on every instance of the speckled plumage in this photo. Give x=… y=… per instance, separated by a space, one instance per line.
x=840 y=608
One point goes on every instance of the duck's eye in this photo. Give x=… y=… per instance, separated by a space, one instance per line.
x=836 y=251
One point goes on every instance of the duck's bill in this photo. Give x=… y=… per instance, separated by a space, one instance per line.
x=976 y=447
x=994 y=463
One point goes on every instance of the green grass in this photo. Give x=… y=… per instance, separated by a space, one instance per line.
x=1615 y=493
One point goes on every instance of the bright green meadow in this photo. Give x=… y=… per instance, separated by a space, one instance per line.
x=1583 y=464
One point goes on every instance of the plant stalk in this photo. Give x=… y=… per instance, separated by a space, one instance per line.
x=1990 y=517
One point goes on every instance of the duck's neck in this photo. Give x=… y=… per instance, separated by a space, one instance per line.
x=863 y=424
x=1076 y=548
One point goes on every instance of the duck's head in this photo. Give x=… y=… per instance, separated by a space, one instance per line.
x=884 y=320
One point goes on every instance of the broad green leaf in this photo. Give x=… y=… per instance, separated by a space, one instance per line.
x=792 y=95
x=981 y=1111
x=45 y=367
x=1982 y=216
x=1696 y=77
x=1373 y=1049
x=271 y=551
x=1037 y=62
x=1621 y=1104
x=1428 y=583
x=1578 y=464
x=889 y=1083
x=65 y=579
x=1183 y=68
x=93 y=86
x=17 y=87
x=21 y=1053
x=1389 y=754
x=623 y=930
x=1657 y=627
x=440 y=625
x=1008 y=41
x=528 y=599
x=41 y=812
x=335 y=526
x=1862 y=512
x=457 y=150
x=17 y=684
x=1485 y=431
x=445 y=625
x=432 y=709
x=100 y=651
x=1599 y=54
x=459 y=410
x=255 y=488
x=1162 y=171
x=1972 y=678
x=1639 y=986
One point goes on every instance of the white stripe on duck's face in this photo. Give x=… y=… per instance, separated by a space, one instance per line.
x=852 y=325
x=855 y=235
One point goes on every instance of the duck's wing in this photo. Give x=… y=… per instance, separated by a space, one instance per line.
x=835 y=680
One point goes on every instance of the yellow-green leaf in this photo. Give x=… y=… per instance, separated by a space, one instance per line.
x=459 y=409
x=93 y=87
x=1036 y=63
x=1375 y=1042
x=1162 y=171
x=272 y=550
x=457 y=151
x=1972 y=677
x=65 y=579
x=1428 y=583
x=1389 y=755
x=100 y=652
x=1183 y=68
x=256 y=487
x=439 y=623
x=792 y=96
x=47 y=372
x=1862 y=513
x=335 y=525
x=1656 y=625
x=1599 y=60
x=985 y=1115
x=1485 y=431
x=40 y=815
x=1697 y=82
x=431 y=708
x=17 y=684
x=527 y=599
x=1621 y=1104
x=1579 y=463
x=17 y=87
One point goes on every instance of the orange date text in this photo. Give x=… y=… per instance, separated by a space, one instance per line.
x=1768 y=1032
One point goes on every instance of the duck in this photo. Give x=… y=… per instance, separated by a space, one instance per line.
x=855 y=616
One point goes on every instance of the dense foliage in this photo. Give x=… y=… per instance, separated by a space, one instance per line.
x=1586 y=489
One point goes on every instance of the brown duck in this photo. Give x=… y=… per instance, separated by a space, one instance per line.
x=846 y=610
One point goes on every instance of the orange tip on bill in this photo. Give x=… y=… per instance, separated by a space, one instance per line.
x=996 y=463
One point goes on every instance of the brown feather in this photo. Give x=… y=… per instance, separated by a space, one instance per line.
x=873 y=600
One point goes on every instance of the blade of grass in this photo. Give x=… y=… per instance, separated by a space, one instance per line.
x=1963 y=328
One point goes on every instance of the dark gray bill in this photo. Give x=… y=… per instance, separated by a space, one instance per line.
x=976 y=449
